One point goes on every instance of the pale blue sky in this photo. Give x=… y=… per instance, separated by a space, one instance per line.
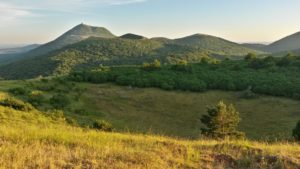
x=39 y=21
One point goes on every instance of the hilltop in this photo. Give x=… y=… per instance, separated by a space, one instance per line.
x=76 y=34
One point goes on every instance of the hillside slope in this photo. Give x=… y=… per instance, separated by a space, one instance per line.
x=288 y=43
x=34 y=139
x=214 y=44
x=129 y=49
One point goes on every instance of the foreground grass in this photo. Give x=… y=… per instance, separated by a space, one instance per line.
x=37 y=140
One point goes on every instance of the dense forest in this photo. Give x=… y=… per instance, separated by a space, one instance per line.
x=270 y=76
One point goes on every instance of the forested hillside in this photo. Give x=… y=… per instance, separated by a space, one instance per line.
x=122 y=51
x=272 y=76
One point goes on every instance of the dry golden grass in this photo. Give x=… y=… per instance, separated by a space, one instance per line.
x=35 y=140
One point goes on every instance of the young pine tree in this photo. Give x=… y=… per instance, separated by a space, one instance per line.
x=296 y=131
x=221 y=122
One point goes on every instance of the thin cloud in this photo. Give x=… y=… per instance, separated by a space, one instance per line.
x=17 y=8
x=10 y=12
x=124 y=2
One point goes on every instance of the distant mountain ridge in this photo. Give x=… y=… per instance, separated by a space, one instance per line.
x=15 y=50
x=131 y=49
x=85 y=46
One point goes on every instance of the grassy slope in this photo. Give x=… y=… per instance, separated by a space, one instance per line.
x=178 y=113
x=33 y=140
x=175 y=113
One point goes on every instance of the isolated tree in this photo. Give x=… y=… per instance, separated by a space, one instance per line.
x=221 y=122
x=296 y=131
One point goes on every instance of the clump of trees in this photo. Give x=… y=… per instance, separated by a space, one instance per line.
x=59 y=101
x=296 y=131
x=152 y=66
x=221 y=122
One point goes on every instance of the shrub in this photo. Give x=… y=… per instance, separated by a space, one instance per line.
x=296 y=131
x=36 y=98
x=18 y=91
x=152 y=66
x=248 y=94
x=250 y=56
x=16 y=104
x=59 y=101
x=221 y=122
x=102 y=125
x=57 y=115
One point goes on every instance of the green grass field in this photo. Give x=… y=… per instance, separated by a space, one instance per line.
x=169 y=113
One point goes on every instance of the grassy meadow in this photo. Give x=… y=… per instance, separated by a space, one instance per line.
x=37 y=139
x=169 y=113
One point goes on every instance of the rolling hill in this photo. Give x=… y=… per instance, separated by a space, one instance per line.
x=64 y=54
x=288 y=43
x=212 y=43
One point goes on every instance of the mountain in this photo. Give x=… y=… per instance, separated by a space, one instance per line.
x=288 y=43
x=255 y=46
x=132 y=36
x=214 y=44
x=15 y=50
x=76 y=34
x=98 y=46
x=9 y=55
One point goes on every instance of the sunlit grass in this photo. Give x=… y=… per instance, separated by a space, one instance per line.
x=36 y=140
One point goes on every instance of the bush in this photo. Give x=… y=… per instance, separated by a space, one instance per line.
x=102 y=125
x=248 y=94
x=36 y=98
x=18 y=91
x=16 y=104
x=152 y=66
x=57 y=115
x=250 y=56
x=59 y=101
x=296 y=131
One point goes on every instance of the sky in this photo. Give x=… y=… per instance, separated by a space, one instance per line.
x=40 y=21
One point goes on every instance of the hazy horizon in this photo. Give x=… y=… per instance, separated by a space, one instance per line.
x=249 y=21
